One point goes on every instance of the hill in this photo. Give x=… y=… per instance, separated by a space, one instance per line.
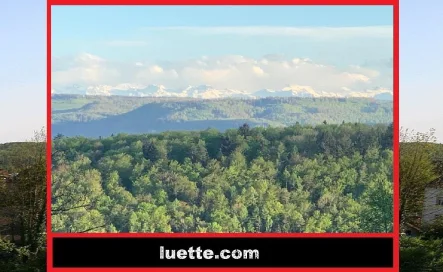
x=327 y=178
x=94 y=116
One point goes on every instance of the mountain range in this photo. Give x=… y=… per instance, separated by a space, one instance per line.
x=98 y=115
x=209 y=92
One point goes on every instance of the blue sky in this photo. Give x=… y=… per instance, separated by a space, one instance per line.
x=99 y=30
x=22 y=68
x=235 y=47
x=155 y=34
x=421 y=69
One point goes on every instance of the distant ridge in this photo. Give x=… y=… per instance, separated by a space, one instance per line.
x=94 y=116
x=209 y=92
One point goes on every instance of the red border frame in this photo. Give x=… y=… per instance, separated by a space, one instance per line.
x=394 y=235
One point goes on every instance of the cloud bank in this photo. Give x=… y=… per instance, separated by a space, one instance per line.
x=224 y=72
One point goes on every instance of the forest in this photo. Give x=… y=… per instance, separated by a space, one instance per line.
x=23 y=205
x=95 y=116
x=421 y=163
x=299 y=178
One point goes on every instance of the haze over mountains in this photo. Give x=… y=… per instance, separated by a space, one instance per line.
x=100 y=95
x=209 y=92
x=97 y=97
x=99 y=115
x=231 y=76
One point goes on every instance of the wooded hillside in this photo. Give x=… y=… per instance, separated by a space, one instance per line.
x=327 y=178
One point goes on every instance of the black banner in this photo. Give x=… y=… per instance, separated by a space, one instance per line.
x=223 y=252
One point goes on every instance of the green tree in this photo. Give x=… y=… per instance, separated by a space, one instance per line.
x=416 y=171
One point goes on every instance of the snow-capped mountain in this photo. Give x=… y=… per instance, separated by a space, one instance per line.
x=209 y=92
x=294 y=90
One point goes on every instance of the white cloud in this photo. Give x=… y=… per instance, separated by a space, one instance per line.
x=82 y=68
x=88 y=58
x=258 y=71
x=232 y=72
x=313 y=32
x=156 y=69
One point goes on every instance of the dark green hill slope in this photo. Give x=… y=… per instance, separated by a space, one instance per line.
x=103 y=116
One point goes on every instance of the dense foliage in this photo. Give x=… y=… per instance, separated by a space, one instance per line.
x=327 y=178
x=13 y=156
x=421 y=255
x=94 y=116
x=23 y=206
x=421 y=162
